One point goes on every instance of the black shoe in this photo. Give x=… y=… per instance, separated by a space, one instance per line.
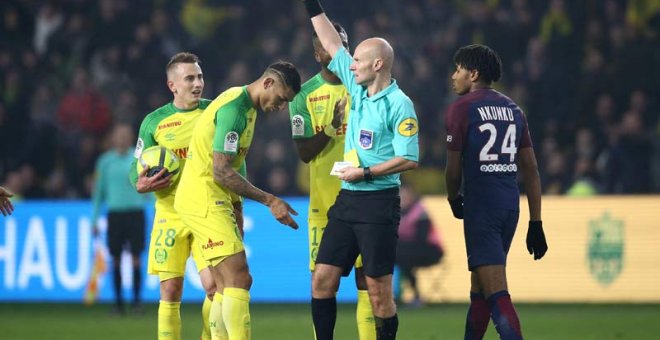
x=137 y=308
x=117 y=310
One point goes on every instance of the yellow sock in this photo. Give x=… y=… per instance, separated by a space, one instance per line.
x=236 y=313
x=206 y=310
x=169 y=320
x=216 y=324
x=365 y=317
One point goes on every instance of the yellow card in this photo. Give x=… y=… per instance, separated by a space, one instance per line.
x=352 y=156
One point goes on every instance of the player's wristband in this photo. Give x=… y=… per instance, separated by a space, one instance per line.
x=330 y=130
x=313 y=7
x=368 y=175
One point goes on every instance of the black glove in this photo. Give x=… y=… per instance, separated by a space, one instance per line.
x=536 y=240
x=457 y=206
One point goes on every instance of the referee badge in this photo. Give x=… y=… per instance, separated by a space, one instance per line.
x=408 y=127
x=366 y=139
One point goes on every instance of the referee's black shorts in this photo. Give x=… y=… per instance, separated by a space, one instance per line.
x=126 y=227
x=362 y=222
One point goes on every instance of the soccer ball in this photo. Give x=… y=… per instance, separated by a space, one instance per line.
x=156 y=158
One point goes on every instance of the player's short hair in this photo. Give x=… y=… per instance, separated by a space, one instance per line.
x=287 y=72
x=182 y=57
x=481 y=58
x=343 y=36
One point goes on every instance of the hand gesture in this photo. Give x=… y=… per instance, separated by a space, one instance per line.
x=154 y=183
x=339 y=111
x=280 y=210
x=536 y=243
x=6 y=207
x=456 y=205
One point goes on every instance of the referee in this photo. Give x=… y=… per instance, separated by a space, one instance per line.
x=381 y=142
x=125 y=211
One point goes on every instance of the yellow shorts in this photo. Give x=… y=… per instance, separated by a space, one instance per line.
x=315 y=231
x=171 y=244
x=218 y=233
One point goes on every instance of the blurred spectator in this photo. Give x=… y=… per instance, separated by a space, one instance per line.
x=83 y=109
x=49 y=19
x=419 y=245
x=570 y=67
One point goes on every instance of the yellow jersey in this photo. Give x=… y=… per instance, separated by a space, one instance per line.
x=310 y=111
x=170 y=127
x=226 y=126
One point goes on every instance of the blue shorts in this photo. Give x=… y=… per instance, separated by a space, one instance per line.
x=488 y=235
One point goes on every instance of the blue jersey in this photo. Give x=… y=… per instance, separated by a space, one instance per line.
x=380 y=127
x=112 y=186
x=488 y=128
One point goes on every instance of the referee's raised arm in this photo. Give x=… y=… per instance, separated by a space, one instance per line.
x=326 y=32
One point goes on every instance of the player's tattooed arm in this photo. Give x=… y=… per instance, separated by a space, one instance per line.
x=224 y=174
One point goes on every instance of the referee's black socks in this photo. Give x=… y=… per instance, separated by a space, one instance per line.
x=324 y=314
x=386 y=328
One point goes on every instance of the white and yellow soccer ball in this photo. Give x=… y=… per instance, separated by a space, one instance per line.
x=156 y=158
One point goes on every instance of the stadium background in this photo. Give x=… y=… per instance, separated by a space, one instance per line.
x=585 y=72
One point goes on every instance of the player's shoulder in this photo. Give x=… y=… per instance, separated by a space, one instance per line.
x=234 y=95
x=158 y=114
x=232 y=102
x=309 y=86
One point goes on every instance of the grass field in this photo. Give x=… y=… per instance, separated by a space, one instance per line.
x=292 y=322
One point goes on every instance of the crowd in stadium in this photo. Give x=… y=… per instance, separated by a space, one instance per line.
x=585 y=72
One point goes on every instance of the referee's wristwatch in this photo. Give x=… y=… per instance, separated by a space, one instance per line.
x=368 y=175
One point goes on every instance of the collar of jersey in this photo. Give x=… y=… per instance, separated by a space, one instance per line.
x=384 y=92
x=176 y=109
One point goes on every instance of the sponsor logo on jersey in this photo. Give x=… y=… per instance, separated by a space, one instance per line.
x=319 y=98
x=339 y=132
x=169 y=125
x=298 y=125
x=211 y=244
x=606 y=246
x=138 y=148
x=366 y=139
x=408 y=127
x=182 y=153
x=170 y=136
x=231 y=141
x=243 y=151
x=498 y=168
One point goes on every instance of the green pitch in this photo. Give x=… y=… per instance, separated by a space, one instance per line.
x=293 y=321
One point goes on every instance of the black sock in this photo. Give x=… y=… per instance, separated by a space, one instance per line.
x=116 y=280
x=386 y=328
x=137 y=283
x=324 y=314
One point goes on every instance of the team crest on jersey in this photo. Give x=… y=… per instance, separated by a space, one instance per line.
x=366 y=139
x=298 y=125
x=408 y=127
x=231 y=141
x=160 y=255
x=138 y=148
